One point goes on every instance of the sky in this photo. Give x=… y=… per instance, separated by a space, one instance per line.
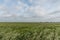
x=29 y=10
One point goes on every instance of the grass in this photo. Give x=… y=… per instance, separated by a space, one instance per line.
x=29 y=31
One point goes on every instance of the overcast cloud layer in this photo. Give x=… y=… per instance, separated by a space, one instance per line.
x=30 y=10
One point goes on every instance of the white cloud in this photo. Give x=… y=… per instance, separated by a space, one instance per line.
x=30 y=1
x=10 y=15
x=2 y=7
x=40 y=9
x=37 y=11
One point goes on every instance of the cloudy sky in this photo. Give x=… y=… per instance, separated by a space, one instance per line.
x=30 y=10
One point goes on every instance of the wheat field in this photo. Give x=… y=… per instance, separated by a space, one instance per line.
x=29 y=31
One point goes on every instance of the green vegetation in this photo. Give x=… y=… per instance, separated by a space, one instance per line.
x=29 y=31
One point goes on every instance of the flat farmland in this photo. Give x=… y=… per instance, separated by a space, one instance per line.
x=29 y=31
